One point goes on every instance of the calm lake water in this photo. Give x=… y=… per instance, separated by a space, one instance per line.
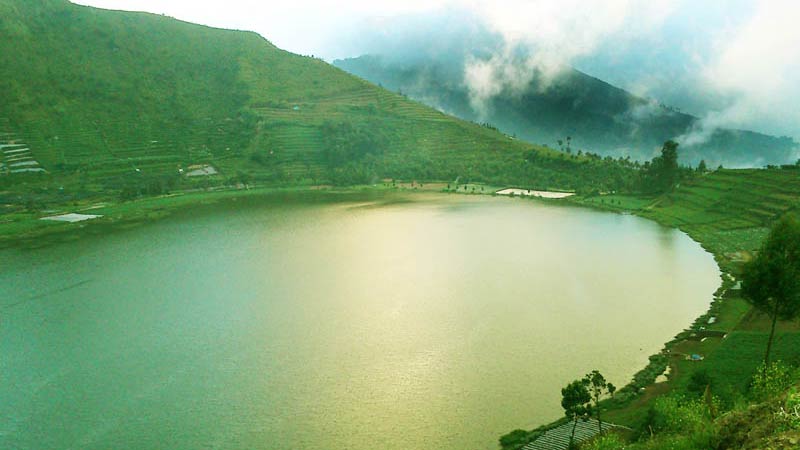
x=441 y=322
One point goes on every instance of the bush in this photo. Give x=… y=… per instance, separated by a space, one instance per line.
x=515 y=439
x=698 y=383
x=771 y=381
x=675 y=414
x=788 y=417
x=608 y=441
x=681 y=423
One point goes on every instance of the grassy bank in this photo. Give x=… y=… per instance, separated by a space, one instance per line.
x=27 y=230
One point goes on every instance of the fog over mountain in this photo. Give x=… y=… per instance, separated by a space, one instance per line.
x=574 y=112
x=455 y=62
x=732 y=63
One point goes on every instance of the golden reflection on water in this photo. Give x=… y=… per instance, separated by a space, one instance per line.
x=439 y=323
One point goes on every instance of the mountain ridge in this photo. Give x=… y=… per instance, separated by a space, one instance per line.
x=598 y=116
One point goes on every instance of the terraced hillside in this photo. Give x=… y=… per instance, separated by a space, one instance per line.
x=730 y=211
x=109 y=100
x=727 y=211
x=15 y=155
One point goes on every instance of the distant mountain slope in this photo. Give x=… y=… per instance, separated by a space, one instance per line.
x=596 y=115
x=108 y=99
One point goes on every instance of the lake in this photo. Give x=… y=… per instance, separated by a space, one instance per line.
x=334 y=322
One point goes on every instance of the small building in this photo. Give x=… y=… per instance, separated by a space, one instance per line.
x=201 y=170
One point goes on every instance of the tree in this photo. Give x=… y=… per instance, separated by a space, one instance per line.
x=702 y=166
x=771 y=281
x=576 y=401
x=662 y=173
x=598 y=388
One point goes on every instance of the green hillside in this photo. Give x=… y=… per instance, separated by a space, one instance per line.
x=112 y=103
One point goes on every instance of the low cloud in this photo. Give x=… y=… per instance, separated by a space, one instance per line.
x=757 y=66
x=542 y=38
x=703 y=130
x=486 y=78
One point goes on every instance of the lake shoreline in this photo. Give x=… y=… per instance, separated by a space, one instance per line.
x=126 y=215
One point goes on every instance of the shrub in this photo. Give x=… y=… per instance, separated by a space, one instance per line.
x=681 y=423
x=675 y=414
x=608 y=441
x=772 y=380
x=515 y=439
x=698 y=382
x=789 y=414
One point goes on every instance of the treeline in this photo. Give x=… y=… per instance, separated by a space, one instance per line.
x=142 y=186
x=365 y=152
x=351 y=150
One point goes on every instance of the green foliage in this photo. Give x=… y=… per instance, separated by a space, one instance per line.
x=598 y=388
x=608 y=441
x=699 y=381
x=576 y=401
x=142 y=186
x=264 y=158
x=663 y=172
x=771 y=281
x=673 y=414
x=681 y=423
x=515 y=439
x=92 y=83
x=729 y=211
x=349 y=143
x=733 y=364
x=772 y=380
x=789 y=415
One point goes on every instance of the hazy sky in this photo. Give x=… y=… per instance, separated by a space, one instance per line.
x=736 y=63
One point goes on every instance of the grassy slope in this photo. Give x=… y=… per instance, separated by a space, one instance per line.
x=98 y=94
